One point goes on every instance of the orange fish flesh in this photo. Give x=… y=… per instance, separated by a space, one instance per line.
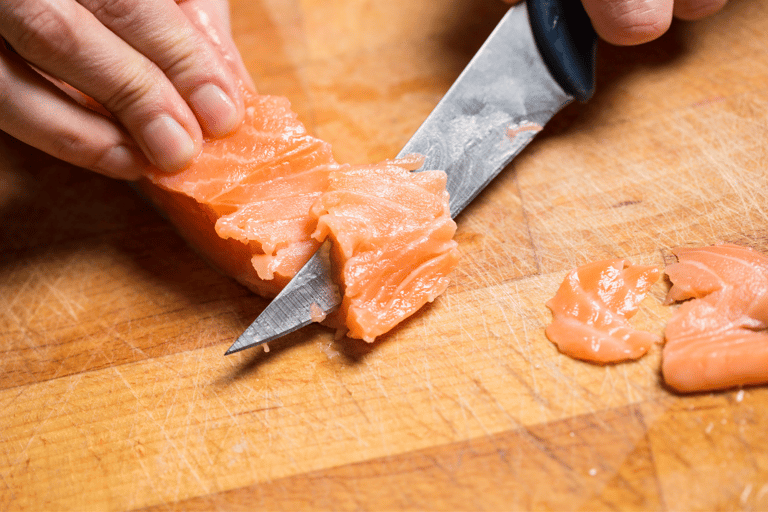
x=393 y=242
x=250 y=205
x=591 y=309
x=717 y=340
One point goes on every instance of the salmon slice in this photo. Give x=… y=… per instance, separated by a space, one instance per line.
x=718 y=340
x=257 y=205
x=393 y=244
x=591 y=309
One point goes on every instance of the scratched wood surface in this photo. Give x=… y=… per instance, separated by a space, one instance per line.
x=114 y=392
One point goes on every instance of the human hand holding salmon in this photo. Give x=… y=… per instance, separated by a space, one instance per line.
x=166 y=72
x=632 y=22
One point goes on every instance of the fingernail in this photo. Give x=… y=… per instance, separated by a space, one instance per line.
x=169 y=143
x=121 y=162
x=214 y=109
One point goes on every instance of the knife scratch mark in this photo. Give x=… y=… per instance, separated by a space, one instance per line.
x=459 y=401
x=109 y=328
x=523 y=349
x=762 y=492
x=181 y=454
x=192 y=404
x=630 y=395
x=434 y=399
x=527 y=224
x=151 y=480
x=607 y=384
x=495 y=401
x=354 y=400
x=8 y=488
x=61 y=402
x=22 y=291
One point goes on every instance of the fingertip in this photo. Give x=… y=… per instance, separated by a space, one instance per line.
x=211 y=17
x=691 y=10
x=168 y=144
x=629 y=22
x=215 y=110
x=122 y=162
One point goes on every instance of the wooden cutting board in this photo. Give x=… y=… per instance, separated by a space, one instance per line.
x=114 y=391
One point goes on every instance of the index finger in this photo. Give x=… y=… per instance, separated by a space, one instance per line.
x=212 y=19
x=161 y=31
x=65 y=40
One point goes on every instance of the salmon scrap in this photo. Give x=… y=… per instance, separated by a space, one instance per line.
x=718 y=339
x=393 y=242
x=591 y=311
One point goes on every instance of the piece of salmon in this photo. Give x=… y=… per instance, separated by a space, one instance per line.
x=392 y=239
x=717 y=340
x=591 y=311
x=245 y=205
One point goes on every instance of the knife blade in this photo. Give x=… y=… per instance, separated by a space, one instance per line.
x=539 y=58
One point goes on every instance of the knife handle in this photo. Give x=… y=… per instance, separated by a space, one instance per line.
x=567 y=42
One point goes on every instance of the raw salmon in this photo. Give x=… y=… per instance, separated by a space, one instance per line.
x=393 y=242
x=717 y=340
x=590 y=311
x=245 y=205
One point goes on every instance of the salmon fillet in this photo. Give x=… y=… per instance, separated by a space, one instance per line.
x=250 y=204
x=717 y=340
x=244 y=202
x=591 y=309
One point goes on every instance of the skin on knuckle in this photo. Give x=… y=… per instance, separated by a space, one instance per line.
x=74 y=148
x=116 y=14
x=186 y=72
x=46 y=32
x=136 y=88
x=189 y=60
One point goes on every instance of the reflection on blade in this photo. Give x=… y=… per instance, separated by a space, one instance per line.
x=312 y=285
x=493 y=110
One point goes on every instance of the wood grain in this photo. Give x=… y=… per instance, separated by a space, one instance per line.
x=600 y=461
x=115 y=392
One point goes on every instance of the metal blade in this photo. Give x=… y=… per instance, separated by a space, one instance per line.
x=292 y=308
x=493 y=110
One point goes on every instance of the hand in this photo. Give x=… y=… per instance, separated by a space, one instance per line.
x=162 y=74
x=630 y=22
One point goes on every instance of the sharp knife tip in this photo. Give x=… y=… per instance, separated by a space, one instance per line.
x=249 y=339
x=241 y=343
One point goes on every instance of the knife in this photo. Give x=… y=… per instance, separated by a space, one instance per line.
x=539 y=58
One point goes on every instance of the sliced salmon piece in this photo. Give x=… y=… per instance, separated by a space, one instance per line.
x=393 y=243
x=245 y=205
x=591 y=309
x=717 y=340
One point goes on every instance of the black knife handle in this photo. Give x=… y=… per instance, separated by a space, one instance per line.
x=567 y=42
